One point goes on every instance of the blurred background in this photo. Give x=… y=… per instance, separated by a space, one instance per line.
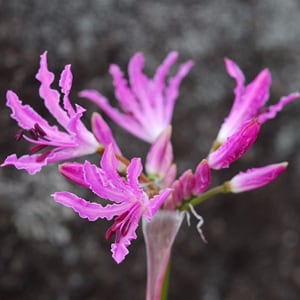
x=253 y=250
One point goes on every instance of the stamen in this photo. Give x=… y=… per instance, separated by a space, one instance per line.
x=118 y=228
x=43 y=156
x=39 y=130
x=20 y=134
x=37 y=148
x=33 y=134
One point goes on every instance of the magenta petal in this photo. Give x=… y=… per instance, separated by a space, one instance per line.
x=119 y=248
x=88 y=210
x=164 y=68
x=65 y=83
x=156 y=202
x=274 y=109
x=109 y=164
x=201 y=178
x=255 y=178
x=134 y=170
x=25 y=162
x=170 y=176
x=187 y=184
x=123 y=93
x=234 y=71
x=100 y=184
x=74 y=172
x=24 y=114
x=130 y=124
x=50 y=96
x=172 y=91
x=103 y=133
x=248 y=102
x=235 y=146
x=160 y=156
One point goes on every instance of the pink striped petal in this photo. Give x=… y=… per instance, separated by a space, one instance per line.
x=88 y=210
x=235 y=146
x=255 y=178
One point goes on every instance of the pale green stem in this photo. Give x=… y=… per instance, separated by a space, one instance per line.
x=221 y=189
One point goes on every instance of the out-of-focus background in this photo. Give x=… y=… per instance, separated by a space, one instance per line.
x=253 y=250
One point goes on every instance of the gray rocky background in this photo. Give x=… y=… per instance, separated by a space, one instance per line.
x=253 y=250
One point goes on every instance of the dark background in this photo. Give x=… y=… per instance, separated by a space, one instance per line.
x=253 y=250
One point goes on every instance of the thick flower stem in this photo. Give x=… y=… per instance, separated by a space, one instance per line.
x=159 y=236
x=221 y=189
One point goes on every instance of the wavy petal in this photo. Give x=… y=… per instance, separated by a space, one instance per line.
x=274 y=109
x=50 y=96
x=88 y=210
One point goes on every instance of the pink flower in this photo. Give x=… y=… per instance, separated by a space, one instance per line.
x=147 y=104
x=255 y=178
x=235 y=146
x=56 y=145
x=130 y=202
x=250 y=101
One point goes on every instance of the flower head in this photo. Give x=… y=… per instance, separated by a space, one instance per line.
x=50 y=143
x=147 y=104
x=249 y=102
x=130 y=202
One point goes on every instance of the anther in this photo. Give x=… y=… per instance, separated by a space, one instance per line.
x=38 y=129
x=20 y=134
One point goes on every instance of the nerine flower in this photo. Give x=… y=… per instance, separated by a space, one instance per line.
x=49 y=143
x=249 y=101
x=147 y=104
x=130 y=202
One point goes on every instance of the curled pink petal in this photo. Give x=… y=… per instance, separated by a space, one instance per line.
x=235 y=146
x=255 y=178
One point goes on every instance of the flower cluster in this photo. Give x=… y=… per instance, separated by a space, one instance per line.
x=147 y=106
